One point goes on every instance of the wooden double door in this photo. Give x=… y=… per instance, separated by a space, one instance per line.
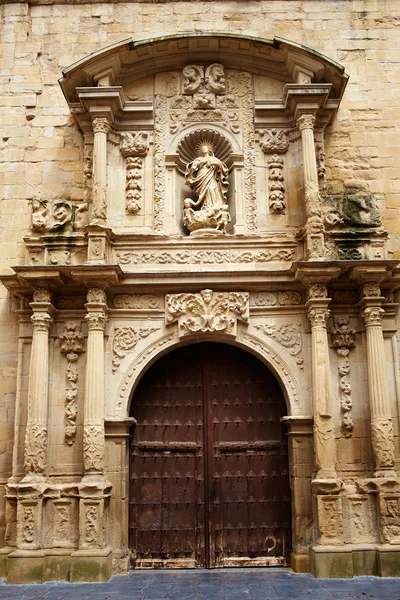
x=209 y=483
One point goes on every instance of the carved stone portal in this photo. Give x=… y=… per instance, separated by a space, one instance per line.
x=207 y=312
x=208 y=178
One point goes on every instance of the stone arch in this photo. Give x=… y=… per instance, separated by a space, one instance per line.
x=292 y=383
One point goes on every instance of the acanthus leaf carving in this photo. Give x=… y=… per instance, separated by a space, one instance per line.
x=126 y=338
x=91 y=524
x=373 y=316
x=318 y=317
x=343 y=340
x=317 y=290
x=207 y=311
x=96 y=295
x=72 y=345
x=28 y=527
x=287 y=335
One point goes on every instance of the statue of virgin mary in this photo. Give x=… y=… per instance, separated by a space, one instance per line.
x=208 y=178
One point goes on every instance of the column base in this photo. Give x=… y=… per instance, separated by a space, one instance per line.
x=26 y=566
x=300 y=563
x=345 y=562
x=91 y=565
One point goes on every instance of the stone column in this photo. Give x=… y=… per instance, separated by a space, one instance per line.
x=101 y=128
x=314 y=230
x=93 y=432
x=38 y=387
x=97 y=229
x=324 y=431
x=381 y=420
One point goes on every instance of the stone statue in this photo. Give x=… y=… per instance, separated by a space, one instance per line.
x=208 y=178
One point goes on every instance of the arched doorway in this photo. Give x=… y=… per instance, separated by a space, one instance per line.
x=209 y=483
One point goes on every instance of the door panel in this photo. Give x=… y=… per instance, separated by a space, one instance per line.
x=209 y=480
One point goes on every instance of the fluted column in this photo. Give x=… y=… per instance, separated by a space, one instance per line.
x=381 y=420
x=101 y=128
x=93 y=433
x=324 y=431
x=314 y=227
x=38 y=386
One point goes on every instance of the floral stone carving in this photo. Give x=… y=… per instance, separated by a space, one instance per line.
x=133 y=147
x=208 y=177
x=207 y=311
x=274 y=141
x=72 y=345
x=343 y=340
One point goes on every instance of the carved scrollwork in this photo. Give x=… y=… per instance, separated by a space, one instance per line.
x=206 y=257
x=72 y=345
x=126 y=338
x=287 y=335
x=137 y=301
x=343 y=340
x=93 y=448
x=207 y=312
x=91 y=524
x=263 y=299
x=160 y=118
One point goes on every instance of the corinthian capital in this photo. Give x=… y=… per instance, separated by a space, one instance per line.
x=96 y=321
x=306 y=122
x=373 y=315
x=41 y=322
x=318 y=317
x=101 y=125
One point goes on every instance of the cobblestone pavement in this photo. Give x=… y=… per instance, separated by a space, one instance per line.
x=227 y=584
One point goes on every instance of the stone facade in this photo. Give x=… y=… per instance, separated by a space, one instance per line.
x=163 y=189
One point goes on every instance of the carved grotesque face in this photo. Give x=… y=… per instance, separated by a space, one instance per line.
x=60 y=212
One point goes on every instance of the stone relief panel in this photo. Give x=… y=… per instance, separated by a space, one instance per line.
x=389 y=506
x=71 y=344
x=207 y=311
x=330 y=519
x=359 y=519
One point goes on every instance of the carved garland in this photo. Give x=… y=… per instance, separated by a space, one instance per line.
x=276 y=196
x=343 y=340
x=72 y=345
x=126 y=338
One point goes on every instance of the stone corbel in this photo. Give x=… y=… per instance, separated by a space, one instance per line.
x=207 y=312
